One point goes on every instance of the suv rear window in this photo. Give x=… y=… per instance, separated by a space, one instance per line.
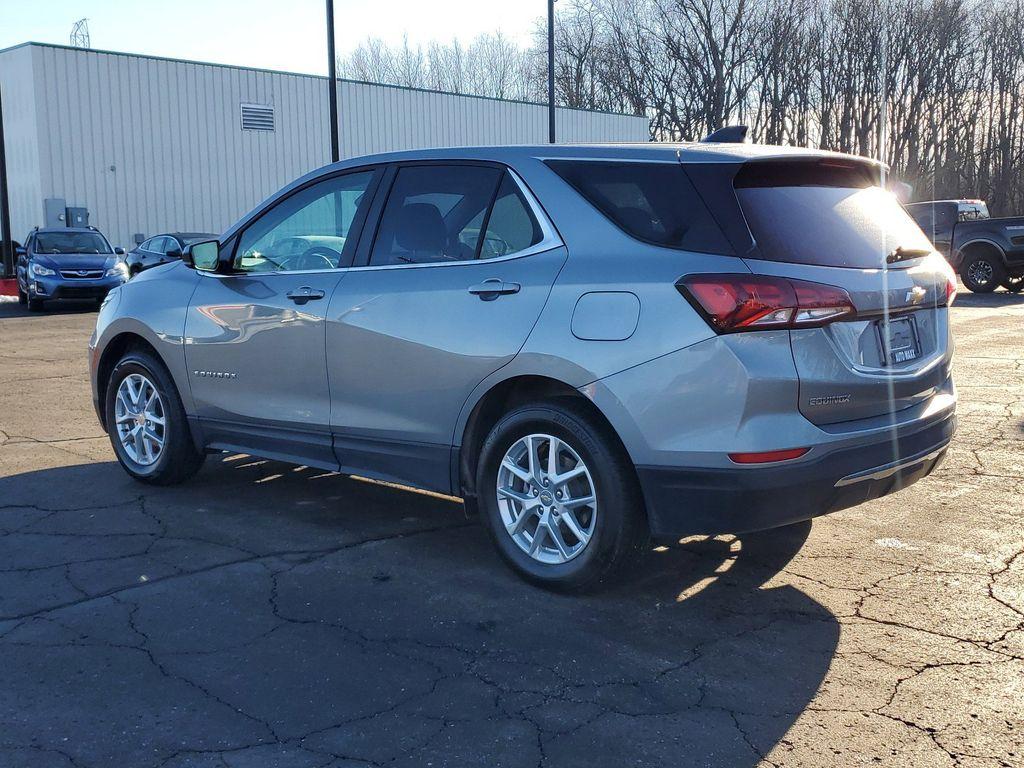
x=824 y=213
x=653 y=202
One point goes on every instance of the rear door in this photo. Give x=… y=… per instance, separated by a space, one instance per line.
x=832 y=223
x=147 y=254
x=939 y=225
x=158 y=248
x=458 y=272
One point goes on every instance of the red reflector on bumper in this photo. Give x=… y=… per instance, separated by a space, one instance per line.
x=765 y=457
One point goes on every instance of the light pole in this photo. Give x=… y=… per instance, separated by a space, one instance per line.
x=332 y=82
x=551 y=71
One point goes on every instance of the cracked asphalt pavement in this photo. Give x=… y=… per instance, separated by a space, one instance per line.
x=267 y=615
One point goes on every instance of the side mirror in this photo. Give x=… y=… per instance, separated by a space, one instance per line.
x=174 y=253
x=20 y=252
x=119 y=251
x=203 y=256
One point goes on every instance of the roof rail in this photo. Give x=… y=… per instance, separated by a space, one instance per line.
x=729 y=134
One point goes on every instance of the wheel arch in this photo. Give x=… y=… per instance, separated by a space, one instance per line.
x=115 y=349
x=498 y=400
x=979 y=244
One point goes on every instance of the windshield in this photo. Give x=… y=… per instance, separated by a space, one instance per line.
x=831 y=219
x=71 y=242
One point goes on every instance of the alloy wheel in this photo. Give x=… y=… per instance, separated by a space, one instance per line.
x=980 y=272
x=547 y=498
x=140 y=419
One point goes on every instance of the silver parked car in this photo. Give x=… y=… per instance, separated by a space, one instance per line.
x=592 y=345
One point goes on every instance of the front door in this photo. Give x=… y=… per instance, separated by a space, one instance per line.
x=459 y=271
x=255 y=337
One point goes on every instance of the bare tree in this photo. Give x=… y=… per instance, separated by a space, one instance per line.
x=935 y=88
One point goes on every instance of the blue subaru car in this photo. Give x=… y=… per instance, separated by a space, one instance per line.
x=67 y=263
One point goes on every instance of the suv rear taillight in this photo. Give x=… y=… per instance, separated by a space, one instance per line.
x=734 y=303
x=950 y=282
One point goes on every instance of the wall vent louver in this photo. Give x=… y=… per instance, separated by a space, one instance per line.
x=257 y=117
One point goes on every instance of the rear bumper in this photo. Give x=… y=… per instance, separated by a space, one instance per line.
x=685 y=501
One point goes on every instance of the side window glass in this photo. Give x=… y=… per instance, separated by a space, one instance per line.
x=511 y=226
x=160 y=245
x=434 y=213
x=307 y=231
x=148 y=244
x=653 y=202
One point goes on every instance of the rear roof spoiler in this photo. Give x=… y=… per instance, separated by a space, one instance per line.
x=730 y=134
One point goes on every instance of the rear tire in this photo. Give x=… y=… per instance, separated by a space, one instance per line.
x=982 y=272
x=613 y=527
x=1014 y=284
x=164 y=454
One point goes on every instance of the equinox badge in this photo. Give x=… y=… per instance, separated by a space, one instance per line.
x=829 y=400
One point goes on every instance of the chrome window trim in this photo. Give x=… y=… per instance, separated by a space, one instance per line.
x=533 y=250
x=550 y=240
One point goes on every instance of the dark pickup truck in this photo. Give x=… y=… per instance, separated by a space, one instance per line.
x=986 y=252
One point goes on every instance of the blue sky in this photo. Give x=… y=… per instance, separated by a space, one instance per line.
x=276 y=34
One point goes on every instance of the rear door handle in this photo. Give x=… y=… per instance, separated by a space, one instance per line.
x=491 y=289
x=304 y=294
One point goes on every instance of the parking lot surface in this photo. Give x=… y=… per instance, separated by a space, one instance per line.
x=271 y=615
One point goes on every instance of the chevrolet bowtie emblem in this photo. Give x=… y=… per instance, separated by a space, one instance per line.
x=916 y=295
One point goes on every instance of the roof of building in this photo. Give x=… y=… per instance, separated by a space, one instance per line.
x=193 y=62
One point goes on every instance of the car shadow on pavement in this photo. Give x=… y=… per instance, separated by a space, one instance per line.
x=988 y=300
x=11 y=308
x=289 y=616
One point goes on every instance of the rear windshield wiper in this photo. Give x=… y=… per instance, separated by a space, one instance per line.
x=902 y=254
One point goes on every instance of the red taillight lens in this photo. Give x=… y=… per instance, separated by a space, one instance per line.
x=732 y=303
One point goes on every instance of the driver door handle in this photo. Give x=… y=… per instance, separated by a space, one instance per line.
x=304 y=294
x=491 y=289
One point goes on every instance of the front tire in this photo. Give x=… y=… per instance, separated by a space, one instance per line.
x=559 y=497
x=147 y=424
x=983 y=272
x=22 y=297
x=34 y=305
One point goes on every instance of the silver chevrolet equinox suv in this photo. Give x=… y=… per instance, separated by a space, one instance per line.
x=594 y=346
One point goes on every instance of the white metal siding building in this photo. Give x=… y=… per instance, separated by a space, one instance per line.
x=152 y=145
